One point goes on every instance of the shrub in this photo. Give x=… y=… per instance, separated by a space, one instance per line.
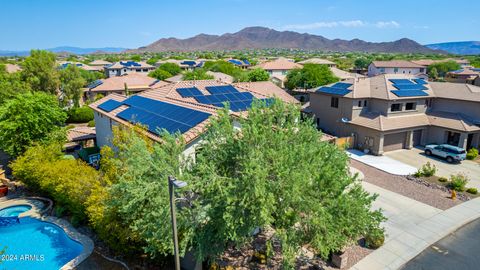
x=442 y=179
x=472 y=190
x=375 y=239
x=426 y=170
x=91 y=123
x=80 y=115
x=458 y=182
x=472 y=153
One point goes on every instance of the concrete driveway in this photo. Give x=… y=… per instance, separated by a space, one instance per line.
x=416 y=158
x=383 y=163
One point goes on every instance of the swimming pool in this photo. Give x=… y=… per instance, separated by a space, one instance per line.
x=14 y=211
x=35 y=244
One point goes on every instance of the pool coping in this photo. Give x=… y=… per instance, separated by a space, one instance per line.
x=71 y=232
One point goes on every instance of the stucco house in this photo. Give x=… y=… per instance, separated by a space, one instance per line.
x=466 y=75
x=396 y=67
x=184 y=106
x=124 y=67
x=278 y=69
x=318 y=61
x=396 y=111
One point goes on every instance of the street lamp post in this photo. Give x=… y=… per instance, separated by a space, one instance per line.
x=172 y=184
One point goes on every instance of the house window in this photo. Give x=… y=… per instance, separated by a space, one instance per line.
x=395 y=70
x=422 y=70
x=382 y=70
x=396 y=107
x=318 y=122
x=365 y=103
x=334 y=102
x=428 y=103
x=359 y=103
x=410 y=106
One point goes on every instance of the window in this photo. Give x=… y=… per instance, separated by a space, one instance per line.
x=365 y=103
x=428 y=103
x=382 y=70
x=395 y=70
x=396 y=107
x=410 y=106
x=318 y=122
x=359 y=103
x=334 y=102
x=422 y=70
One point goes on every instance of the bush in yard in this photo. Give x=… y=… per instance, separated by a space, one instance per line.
x=443 y=179
x=472 y=190
x=375 y=239
x=426 y=170
x=472 y=153
x=91 y=123
x=68 y=182
x=80 y=115
x=458 y=182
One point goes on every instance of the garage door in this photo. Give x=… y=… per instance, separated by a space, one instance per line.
x=394 y=141
x=417 y=137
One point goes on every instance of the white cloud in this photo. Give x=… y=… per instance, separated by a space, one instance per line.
x=390 y=24
x=421 y=27
x=348 y=24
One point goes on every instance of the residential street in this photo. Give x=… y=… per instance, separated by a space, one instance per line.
x=458 y=250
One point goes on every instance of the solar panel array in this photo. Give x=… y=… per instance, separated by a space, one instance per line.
x=409 y=88
x=110 y=105
x=339 y=88
x=235 y=62
x=409 y=93
x=158 y=115
x=189 y=92
x=95 y=83
x=189 y=63
x=222 y=89
x=130 y=64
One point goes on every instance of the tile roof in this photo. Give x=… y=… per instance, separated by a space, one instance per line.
x=11 y=68
x=135 y=82
x=450 y=120
x=80 y=134
x=279 y=64
x=343 y=75
x=396 y=63
x=318 y=61
x=459 y=91
x=167 y=93
x=99 y=63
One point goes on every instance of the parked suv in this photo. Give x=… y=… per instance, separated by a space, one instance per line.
x=449 y=152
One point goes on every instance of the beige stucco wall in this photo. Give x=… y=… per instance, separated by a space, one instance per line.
x=469 y=108
x=330 y=118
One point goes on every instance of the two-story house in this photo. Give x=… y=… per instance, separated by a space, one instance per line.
x=396 y=67
x=390 y=112
x=278 y=69
x=123 y=67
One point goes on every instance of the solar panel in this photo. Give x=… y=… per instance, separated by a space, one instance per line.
x=246 y=62
x=158 y=115
x=409 y=93
x=95 y=84
x=235 y=62
x=110 y=105
x=334 y=91
x=420 y=81
x=401 y=81
x=410 y=87
x=188 y=63
x=189 y=92
x=222 y=89
x=130 y=63
x=342 y=85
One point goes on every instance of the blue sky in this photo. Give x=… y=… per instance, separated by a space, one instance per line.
x=100 y=23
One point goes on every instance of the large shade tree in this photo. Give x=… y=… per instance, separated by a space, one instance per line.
x=310 y=76
x=274 y=173
x=71 y=84
x=39 y=70
x=27 y=118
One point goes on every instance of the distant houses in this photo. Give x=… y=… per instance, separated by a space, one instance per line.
x=278 y=69
x=131 y=83
x=465 y=75
x=123 y=67
x=396 y=67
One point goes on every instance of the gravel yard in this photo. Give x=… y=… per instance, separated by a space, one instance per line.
x=405 y=187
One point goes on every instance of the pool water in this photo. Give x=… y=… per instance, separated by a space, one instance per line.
x=14 y=211
x=35 y=244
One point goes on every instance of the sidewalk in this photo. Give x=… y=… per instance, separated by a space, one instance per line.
x=411 y=241
x=383 y=163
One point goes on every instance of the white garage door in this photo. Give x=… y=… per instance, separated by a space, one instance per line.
x=394 y=141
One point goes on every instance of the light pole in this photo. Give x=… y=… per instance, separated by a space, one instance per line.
x=172 y=184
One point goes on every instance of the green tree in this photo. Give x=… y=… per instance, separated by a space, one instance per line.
x=160 y=74
x=433 y=73
x=11 y=85
x=136 y=58
x=152 y=61
x=90 y=76
x=310 y=76
x=274 y=173
x=28 y=118
x=362 y=63
x=443 y=67
x=258 y=75
x=197 y=74
x=71 y=83
x=40 y=71
x=171 y=68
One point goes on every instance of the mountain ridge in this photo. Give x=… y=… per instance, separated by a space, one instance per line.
x=257 y=37
x=458 y=47
x=66 y=49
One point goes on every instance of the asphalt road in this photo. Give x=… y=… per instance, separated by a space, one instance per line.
x=459 y=250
